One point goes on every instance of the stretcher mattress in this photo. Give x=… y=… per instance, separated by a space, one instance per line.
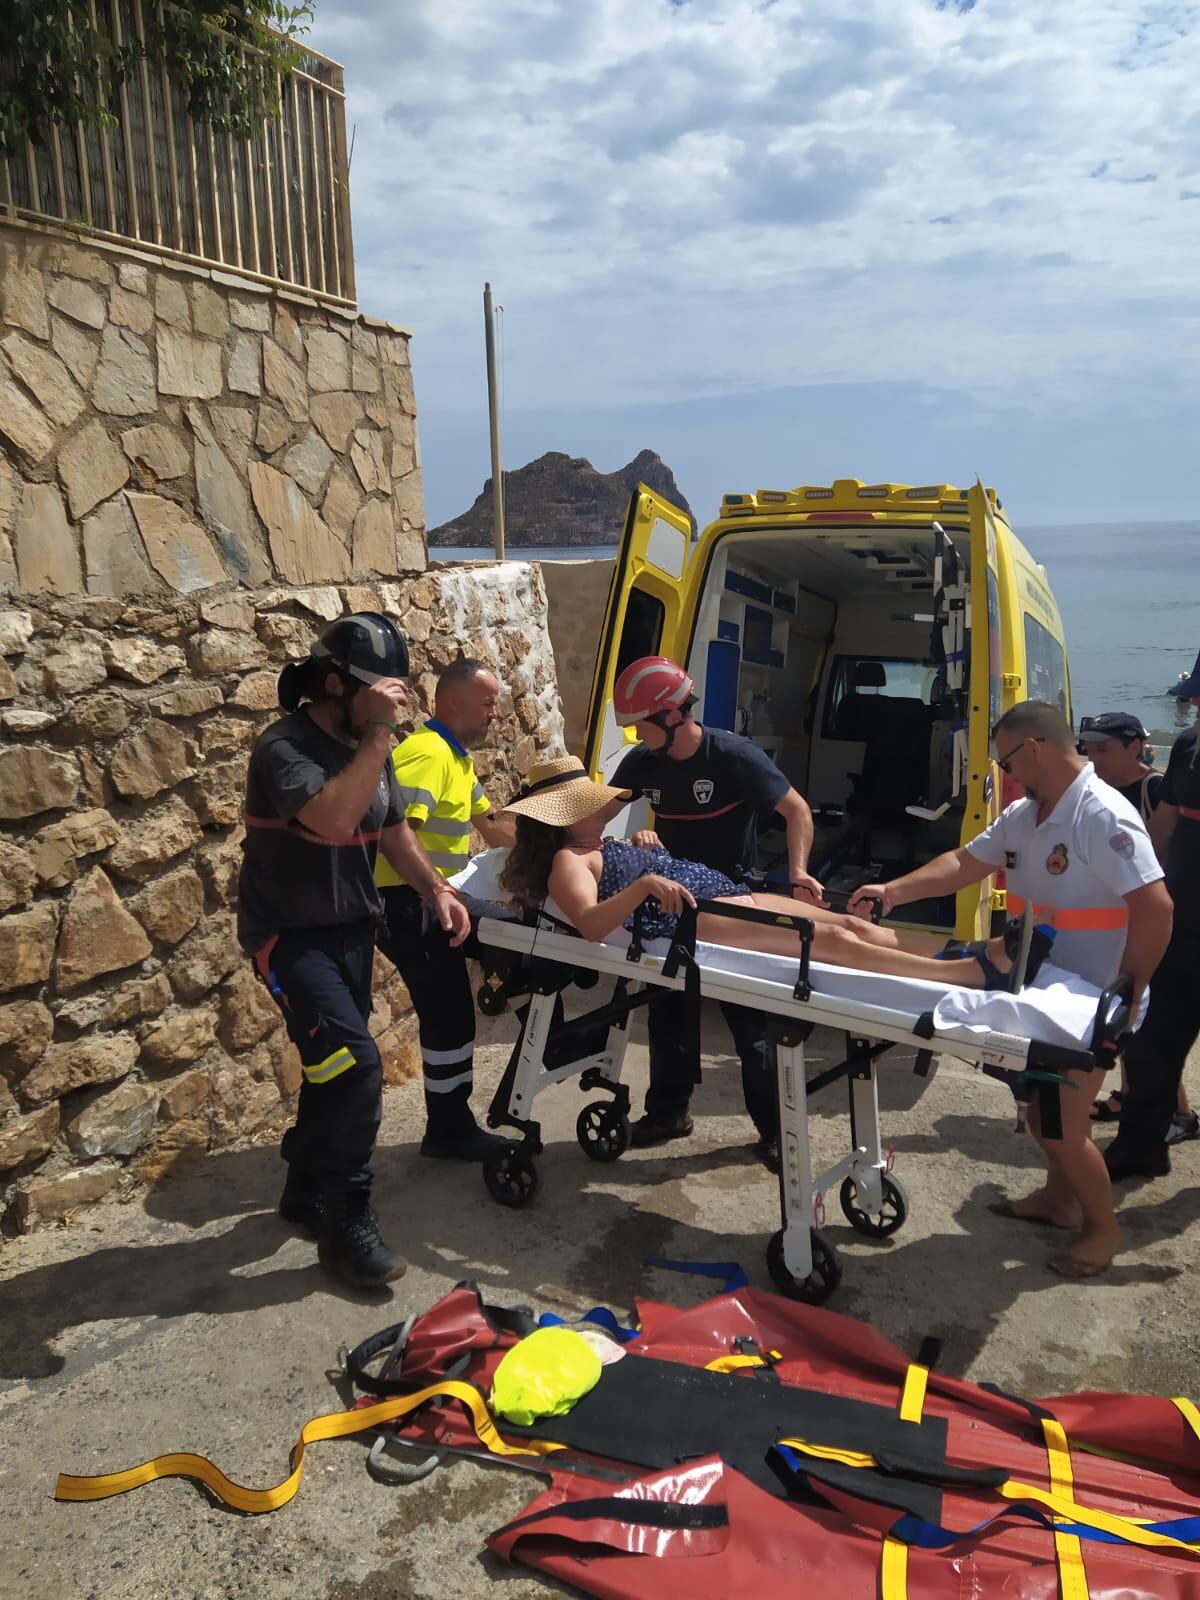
x=1057 y=1008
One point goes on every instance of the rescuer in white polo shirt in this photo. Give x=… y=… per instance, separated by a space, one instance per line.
x=1080 y=853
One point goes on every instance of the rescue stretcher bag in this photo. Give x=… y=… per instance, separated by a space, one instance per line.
x=818 y=1458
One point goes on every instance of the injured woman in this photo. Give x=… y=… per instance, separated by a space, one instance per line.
x=599 y=884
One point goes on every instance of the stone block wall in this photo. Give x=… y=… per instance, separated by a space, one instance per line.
x=133 y=1035
x=166 y=430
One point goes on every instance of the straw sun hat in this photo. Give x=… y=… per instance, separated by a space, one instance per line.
x=559 y=792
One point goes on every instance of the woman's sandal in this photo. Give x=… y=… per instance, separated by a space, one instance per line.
x=1104 y=1110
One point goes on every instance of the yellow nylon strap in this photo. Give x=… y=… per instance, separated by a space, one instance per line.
x=336 y=1425
x=1189 y=1413
x=830 y=1452
x=737 y=1363
x=1133 y=1530
x=1068 y=1552
x=893 y=1569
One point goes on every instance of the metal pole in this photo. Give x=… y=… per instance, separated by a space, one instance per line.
x=489 y=328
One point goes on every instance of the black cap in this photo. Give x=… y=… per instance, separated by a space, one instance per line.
x=1111 y=725
x=1188 y=688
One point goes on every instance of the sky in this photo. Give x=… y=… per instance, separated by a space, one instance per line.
x=784 y=241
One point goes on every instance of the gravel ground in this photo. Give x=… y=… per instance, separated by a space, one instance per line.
x=192 y=1319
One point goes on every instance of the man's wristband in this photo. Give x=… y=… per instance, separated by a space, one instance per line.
x=378 y=722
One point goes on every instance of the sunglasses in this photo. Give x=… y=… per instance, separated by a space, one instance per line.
x=1004 y=762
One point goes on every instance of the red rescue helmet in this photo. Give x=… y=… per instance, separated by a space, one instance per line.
x=650 y=687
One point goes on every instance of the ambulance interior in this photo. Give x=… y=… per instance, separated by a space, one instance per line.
x=819 y=646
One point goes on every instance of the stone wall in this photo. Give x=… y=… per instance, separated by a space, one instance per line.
x=167 y=430
x=577 y=594
x=132 y=1033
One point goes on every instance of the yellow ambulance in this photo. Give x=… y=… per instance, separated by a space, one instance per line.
x=866 y=636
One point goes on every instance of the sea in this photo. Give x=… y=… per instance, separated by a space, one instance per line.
x=1129 y=593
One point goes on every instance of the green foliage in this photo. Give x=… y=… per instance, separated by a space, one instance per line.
x=60 y=67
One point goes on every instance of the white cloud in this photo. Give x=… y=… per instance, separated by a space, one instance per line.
x=677 y=199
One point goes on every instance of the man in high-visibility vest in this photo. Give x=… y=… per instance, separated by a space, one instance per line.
x=442 y=800
x=1079 y=853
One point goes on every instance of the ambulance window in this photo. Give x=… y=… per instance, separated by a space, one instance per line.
x=995 y=678
x=1046 y=665
x=642 y=631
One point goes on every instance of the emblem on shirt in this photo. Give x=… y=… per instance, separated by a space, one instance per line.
x=1057 y=862
x=703 y=790
x=654 y=796
x=1122 y=843
x=1010 y=860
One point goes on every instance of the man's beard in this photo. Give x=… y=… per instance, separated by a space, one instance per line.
x=474 y=737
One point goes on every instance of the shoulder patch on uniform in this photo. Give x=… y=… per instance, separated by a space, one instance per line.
x=654 y=796
x=703 y=790
x=1122 y=843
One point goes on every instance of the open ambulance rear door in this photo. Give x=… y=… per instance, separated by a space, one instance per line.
x=644 y=615
x=984 y=689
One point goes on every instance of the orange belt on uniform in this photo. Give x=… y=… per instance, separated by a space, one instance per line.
x=1074 y=919
x=1192 y=813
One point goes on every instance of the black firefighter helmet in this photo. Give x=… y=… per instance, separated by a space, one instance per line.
x=362 y=647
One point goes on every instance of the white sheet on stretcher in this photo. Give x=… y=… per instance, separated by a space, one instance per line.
x=1057 y=1008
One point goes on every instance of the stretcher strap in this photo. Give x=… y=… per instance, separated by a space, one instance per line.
x=337 y=1425
x=893 y=1571
x=738 y=1363
x=1045 y=1507
x=1068 y=1552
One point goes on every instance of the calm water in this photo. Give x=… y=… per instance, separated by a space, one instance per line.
x=1130 y=599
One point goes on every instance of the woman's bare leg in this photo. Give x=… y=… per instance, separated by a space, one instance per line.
x=839 y=945
x=922 y=944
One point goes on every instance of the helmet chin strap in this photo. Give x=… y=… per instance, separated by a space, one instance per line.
x=670 y=729
x=350 y=687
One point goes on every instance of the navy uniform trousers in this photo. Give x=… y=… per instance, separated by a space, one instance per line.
x=320 y=978
x=436 y=976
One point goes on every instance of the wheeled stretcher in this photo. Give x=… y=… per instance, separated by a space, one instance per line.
x=1034 y=1042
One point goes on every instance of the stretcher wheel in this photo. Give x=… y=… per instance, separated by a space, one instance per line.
x=602 y=1131
x=881 y=1224
x=824 y=1278
x=510 y=1175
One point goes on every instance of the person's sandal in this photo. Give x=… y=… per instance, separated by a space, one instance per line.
x=1104 y=1110
x=1041 y=942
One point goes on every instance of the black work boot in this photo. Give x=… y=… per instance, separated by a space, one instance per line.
x=472 y=1143
x=651 y=1130
x=352 y=1247
x=300 y=1204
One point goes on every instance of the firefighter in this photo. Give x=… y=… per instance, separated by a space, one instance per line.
x=321 y=803
x=708 y=789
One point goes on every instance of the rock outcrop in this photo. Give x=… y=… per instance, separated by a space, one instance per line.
x=562 y=500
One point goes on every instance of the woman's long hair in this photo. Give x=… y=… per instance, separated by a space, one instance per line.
x=526 y=873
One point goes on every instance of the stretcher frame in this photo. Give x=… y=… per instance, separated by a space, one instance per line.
x=551 y=1049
